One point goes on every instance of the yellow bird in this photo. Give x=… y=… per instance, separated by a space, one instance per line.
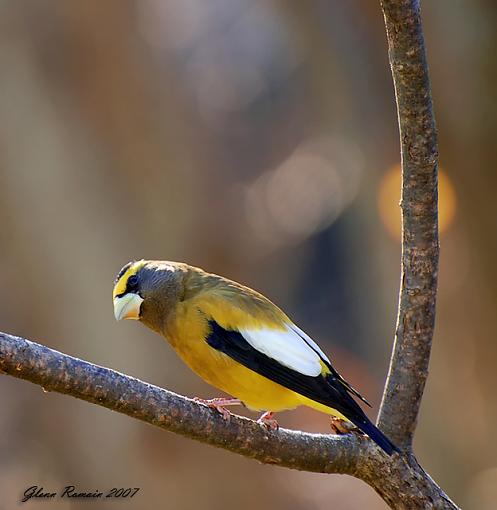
x=238 y=341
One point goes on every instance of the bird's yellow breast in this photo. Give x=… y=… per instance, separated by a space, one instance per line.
x=187 y=332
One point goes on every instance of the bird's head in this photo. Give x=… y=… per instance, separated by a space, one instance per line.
x=147 y=291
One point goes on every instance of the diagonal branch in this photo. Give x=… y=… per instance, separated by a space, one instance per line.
x=419 y=151
x=55 y=371
x=400 y=481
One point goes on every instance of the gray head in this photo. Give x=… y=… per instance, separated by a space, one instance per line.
x=148 y=290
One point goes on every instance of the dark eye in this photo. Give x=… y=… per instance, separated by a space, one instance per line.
x=133 y=281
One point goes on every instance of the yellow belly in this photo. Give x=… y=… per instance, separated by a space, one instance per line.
x=254 y=390
x=222 y=372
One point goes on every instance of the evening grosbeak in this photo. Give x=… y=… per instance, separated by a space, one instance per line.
x=238 y=341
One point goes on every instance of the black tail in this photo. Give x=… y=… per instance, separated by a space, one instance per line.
x=375 y=434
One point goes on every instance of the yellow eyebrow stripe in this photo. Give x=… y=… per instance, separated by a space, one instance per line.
x=120 y=286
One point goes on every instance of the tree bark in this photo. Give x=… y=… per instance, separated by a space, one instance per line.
x=399 y=480
x=419 y=267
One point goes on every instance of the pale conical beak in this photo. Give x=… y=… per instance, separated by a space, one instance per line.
x=127 y=306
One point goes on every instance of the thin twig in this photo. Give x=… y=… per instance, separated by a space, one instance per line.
x=416 y=312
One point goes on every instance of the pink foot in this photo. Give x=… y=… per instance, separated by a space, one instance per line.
x=219 y=404
x=268 y=421
x=341 y=427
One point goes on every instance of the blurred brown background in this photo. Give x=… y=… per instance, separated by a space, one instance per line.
x=256 y=139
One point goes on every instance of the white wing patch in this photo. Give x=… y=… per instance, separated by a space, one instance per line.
x=290 y=347
x=310 y=341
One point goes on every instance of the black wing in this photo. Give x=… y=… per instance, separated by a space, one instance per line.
x=328 y=390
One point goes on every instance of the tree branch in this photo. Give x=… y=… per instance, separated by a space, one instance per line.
x=400 y=481
x=55 y=371
x=416 y=312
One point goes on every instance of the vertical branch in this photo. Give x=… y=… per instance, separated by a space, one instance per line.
x=416 y=313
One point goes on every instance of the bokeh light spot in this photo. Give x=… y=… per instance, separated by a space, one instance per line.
x=306 y=192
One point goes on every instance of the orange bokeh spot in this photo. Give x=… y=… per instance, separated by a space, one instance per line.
x=389 y=199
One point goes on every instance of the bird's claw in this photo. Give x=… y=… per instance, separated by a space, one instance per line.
x=267 y=421
x=218 y=404
x=341 y=427
x=223 y=411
